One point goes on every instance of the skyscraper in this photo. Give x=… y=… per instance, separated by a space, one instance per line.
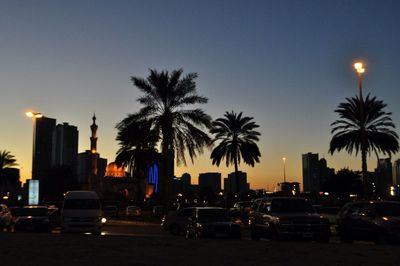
x=230 y=183
x=42 y=147
x=310 y=172
x=210 y=180
x=65 y=148
x=396 y=172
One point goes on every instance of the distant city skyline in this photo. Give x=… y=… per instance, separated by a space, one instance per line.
x=286 y=63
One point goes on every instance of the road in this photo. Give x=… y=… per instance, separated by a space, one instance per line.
x=135 y=243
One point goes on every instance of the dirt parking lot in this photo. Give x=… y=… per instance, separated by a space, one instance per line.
x=79 y=249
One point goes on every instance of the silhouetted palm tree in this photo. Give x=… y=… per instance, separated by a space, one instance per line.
x=7 y=160
x=137 y=150
x=236 y=139
x=179 y=130
x=375 y=125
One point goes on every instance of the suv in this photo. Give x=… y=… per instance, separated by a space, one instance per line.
x=287 y=217
x=5 y=218
x=377 y=221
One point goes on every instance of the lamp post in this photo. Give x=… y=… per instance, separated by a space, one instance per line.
x=34 y=116
x=284 y=169
x=360 y=69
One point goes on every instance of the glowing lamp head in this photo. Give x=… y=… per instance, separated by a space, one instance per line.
x=359 y=67
x=34 y=115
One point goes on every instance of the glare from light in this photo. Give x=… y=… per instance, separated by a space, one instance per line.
x=103 y=220
x=359 y=67
x=33 y=114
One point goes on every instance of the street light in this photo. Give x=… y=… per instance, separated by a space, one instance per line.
x=34 y=116
x=284 y=169
x=359 y=67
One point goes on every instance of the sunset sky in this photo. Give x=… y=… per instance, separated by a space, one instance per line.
x=286 y=63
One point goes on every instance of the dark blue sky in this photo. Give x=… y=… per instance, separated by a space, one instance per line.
x=288 y=64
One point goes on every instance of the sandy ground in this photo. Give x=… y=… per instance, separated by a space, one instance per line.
x=78 y=249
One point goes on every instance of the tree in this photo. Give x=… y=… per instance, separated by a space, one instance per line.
x=179 y=130
x=7 y=160
x=363 y=126
x=138 y=148
x=236 y=139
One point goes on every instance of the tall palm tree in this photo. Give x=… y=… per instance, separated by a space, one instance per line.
x=360 y=119
x=7 y=160
x=236 y=139
x=179 y=130
x=137 y=151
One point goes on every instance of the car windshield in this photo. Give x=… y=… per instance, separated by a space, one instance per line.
x=217 y=215
x=388 y=209
x=81 y=204
x=31 y=212
x=291 y=205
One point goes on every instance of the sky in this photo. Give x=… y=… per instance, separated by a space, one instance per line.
x=287 y=64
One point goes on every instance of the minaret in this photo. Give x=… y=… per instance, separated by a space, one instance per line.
x=94 y=182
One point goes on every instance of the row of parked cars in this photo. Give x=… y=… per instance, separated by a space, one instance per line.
x=28 y=218
x=291 y=218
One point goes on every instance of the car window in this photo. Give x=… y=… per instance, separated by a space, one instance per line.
x=352 y=209
x=185 y=212
x=32 y=212
x=212 y=215
x=365 y=209
x=81 y=204
x=387 y=209
x=291 y=205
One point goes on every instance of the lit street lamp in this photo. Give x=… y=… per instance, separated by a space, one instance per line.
x=360 y=69
x=284 y=169
x=34 y=116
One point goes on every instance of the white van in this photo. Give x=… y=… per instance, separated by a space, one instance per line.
x=81 y=212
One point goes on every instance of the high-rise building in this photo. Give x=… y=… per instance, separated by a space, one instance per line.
x=42 y=148
x=383 y=177
x=186 y=181
x=230 y=183
x=65 y=148
x=310 y=172
x=210 y=180
x=396 y=172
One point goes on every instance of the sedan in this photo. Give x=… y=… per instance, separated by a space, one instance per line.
x=212 y=222
x=32 y=218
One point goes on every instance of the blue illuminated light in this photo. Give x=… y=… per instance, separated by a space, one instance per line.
x=153 y=176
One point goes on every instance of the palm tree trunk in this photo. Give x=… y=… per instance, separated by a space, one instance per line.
x=364 y=168
x=237 y=177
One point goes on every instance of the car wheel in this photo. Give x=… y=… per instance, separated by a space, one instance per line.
x=175 y=229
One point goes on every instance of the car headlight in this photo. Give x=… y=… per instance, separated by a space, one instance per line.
x=103 y=220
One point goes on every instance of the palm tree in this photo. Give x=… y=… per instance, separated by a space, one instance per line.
x=7 y=160
x=360 y=119
x=237 y=140
x=179 y=130
x=137 y=150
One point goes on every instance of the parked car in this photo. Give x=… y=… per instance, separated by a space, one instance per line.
x=212 y=222
x=176 y=221
x=133 y=211
x=377 y=221
x=241 y=209
x=330 y=213
x=6 y=218
x=32 y=218
x=110 y=211
x=287 y=218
